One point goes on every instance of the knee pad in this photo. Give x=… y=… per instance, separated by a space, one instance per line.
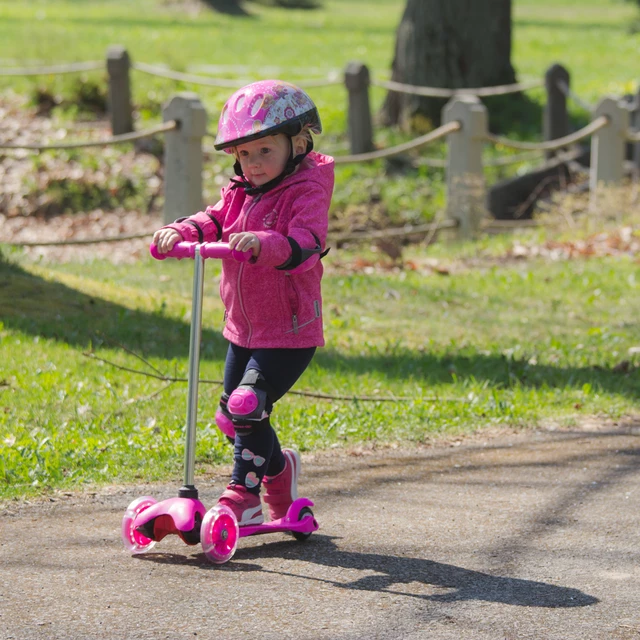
x=247 y=404
x=223 y=418
x=225 y=424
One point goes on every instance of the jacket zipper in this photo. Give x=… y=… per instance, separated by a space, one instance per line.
x=296 y=300
x=241 y=270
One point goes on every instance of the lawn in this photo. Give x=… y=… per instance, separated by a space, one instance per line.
x=515 y=344
x=92 y=354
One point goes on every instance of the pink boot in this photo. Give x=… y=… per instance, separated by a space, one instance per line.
x=281 y=490
x=246 y=506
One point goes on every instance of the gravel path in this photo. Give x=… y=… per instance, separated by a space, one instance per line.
x=512 y=535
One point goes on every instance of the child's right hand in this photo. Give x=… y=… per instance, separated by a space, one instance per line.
x=164 y=239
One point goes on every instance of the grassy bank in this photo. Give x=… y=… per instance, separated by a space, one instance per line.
x=504 y=344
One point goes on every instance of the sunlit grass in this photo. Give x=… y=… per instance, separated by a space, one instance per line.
x=515 y=344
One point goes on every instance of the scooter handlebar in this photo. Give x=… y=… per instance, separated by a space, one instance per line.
x=218 y=250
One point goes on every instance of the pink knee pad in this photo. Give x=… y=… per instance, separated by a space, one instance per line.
x=247 y=403
x=225 y=425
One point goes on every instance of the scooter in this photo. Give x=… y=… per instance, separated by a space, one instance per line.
x=147 y=521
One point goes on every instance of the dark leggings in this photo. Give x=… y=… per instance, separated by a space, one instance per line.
x=258 y=453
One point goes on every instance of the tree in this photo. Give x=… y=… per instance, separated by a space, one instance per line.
x=448 y=44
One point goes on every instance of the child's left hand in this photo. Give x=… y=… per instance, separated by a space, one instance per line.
x=245 y=241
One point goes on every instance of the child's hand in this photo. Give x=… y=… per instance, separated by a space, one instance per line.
x=245 y=241
x=164 y=239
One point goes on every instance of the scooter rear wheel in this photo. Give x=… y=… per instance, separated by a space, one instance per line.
x=133 y=540
x=305 y=512
x=219 y=534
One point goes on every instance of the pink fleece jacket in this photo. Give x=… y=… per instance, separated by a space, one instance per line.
x=267 y=306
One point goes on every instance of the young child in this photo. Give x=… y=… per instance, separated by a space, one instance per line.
x=277 y=209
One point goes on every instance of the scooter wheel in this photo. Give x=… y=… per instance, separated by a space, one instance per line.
x=305 y=512
x=133 y=540
x=219 y=534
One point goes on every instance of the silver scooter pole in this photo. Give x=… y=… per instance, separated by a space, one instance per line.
x=189 y=490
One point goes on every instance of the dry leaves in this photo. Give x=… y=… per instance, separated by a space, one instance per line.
x=624 y=240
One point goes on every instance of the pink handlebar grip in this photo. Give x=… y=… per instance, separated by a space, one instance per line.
x=219 y=250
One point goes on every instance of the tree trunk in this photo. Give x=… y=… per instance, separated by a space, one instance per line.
x=448 y=44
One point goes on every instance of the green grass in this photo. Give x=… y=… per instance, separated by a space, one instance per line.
x=502 y=345
x=591 y=38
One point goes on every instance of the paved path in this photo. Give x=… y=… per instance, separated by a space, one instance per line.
x=521 y=535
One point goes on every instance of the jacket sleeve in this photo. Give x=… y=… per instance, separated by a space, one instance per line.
x=204 y=226
x=306 y=234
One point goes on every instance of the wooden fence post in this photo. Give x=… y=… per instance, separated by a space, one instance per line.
x=183 y=156
x=608 y=145
x=119 y=90
x=555 y=120
x=356 y=79
x=465 y=174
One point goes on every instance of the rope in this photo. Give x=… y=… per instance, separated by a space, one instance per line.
x=56 y=69
x=438 y=163
x=564 y=87
x=125 y=137
x=551 y=145
x=64 y=243
x=436 y=134
x=213 y=82
x=185 y=77
x=435 y=92
x=633 y=136
x=312 y=84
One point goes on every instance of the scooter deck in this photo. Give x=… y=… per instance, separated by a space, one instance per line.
x=290 y=523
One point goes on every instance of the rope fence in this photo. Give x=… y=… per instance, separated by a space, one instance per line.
x=432 y=136
x=172 y=125
x=564 y=87
x=58 y=69
x=464 y=129
x=551 y=145
x=435 y=92
x=633 y=136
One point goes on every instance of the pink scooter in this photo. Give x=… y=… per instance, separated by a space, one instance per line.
x=147 y=521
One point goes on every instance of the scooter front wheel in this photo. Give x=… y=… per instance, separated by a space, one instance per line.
x=133 y=540
x=219 y=534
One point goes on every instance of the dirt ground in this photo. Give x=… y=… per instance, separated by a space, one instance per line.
x=530 y=534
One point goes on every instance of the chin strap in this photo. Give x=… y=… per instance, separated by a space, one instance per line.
x=289 y=168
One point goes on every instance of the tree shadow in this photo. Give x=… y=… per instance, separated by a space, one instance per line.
x=495 y=370
x=441 y=582
x=614 y=465
x=54 y=311
x=228 y=7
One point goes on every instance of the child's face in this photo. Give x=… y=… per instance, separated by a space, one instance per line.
x=264 y=159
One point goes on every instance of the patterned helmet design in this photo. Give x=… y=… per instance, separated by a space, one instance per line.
x=262 y=109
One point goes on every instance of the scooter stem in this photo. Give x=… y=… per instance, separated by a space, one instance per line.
x=189 y=490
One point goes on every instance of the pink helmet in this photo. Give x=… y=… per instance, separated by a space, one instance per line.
x=265 y=108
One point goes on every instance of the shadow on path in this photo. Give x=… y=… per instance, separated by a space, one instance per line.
x=443 y=582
